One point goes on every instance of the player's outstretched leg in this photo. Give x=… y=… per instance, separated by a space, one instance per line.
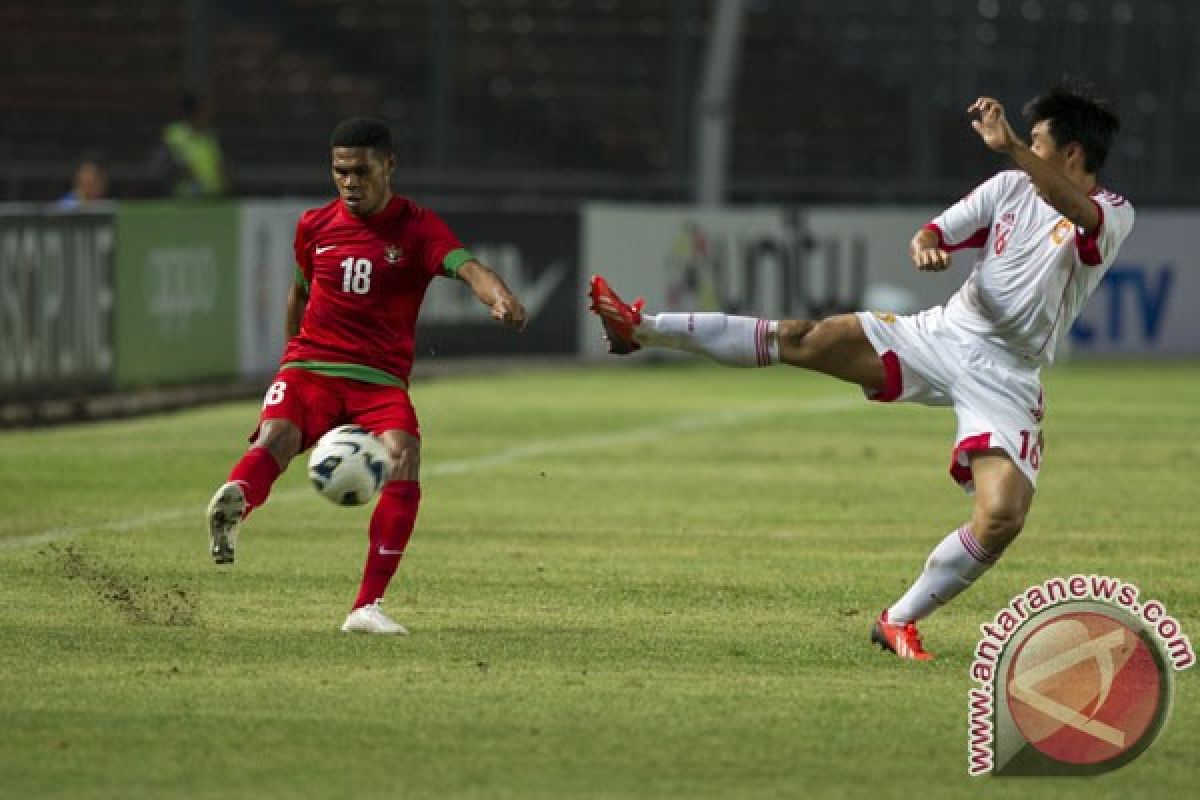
x=729 y=340
x=249 y=483
x=837 y=346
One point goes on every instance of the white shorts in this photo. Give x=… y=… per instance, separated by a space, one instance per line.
x=998 y=400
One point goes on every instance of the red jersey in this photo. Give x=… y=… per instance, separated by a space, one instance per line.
x=366 y=278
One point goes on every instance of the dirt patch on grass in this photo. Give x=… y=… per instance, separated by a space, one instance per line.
x=137 y=599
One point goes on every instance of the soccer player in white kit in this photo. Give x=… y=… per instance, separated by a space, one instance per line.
x=1048 y=232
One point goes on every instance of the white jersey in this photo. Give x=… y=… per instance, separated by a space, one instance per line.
x=1036 y=269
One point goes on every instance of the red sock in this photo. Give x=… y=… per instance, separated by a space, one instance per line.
x=256 y=472
x=391 y=526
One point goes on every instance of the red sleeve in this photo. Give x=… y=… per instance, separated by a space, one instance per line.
x=437 y=242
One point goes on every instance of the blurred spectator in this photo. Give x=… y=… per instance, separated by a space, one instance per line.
x=90 y=185
x=189 y=156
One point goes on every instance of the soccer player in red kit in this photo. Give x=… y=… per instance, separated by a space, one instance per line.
x=364 y=262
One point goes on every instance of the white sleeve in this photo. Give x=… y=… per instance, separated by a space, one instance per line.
x=1116 y=221
x=967 y=222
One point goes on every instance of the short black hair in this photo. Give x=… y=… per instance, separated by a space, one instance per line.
x=363 y=132
x=1074 y=112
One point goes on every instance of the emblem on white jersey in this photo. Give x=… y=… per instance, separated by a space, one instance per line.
x=393 y=253
x=1008 y=221
x=1062 y=231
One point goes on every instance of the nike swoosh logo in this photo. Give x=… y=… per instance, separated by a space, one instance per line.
x=325 y=248
x=383 y=551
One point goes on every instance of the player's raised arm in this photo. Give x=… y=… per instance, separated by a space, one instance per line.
x=493 y=293
x=1052 y=181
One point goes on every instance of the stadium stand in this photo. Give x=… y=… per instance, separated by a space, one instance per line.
x=856 y=100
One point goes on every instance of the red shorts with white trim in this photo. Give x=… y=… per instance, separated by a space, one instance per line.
x=998 y=401
x=316 y=403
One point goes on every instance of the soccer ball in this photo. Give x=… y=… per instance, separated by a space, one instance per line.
x=349 y=466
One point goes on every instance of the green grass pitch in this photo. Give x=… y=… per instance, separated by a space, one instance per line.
x=648 y=581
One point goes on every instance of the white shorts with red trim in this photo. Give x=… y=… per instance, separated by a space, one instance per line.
x=997 y=399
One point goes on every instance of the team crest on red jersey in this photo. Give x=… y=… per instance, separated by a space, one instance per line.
x=393 y=253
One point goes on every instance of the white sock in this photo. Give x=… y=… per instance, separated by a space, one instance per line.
x=728 y=340
x=952 y=566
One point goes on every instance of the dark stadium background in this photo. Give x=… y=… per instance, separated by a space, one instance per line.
x=557 y=100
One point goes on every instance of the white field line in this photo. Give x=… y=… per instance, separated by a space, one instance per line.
x=695 y=422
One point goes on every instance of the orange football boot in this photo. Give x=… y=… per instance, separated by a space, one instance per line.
x=618 y=317
x=903 y=640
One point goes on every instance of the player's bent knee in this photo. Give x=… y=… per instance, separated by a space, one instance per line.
x=406 y=457
x=282 y=439
x=807 y=343
x=792 y=334
x=997 y=525
x=406 y=464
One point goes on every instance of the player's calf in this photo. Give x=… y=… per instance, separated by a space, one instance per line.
x=996 y=527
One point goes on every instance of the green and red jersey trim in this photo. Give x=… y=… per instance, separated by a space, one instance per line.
x=454 y=260
x=355 y=372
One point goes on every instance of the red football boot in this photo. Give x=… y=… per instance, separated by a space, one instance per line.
x=618 y=317
x=903 y=640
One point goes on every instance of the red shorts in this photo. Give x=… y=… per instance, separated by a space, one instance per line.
x=316 y=403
